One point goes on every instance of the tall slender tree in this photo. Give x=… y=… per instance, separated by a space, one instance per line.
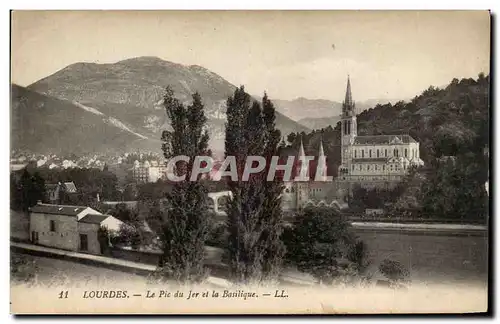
x=272 y=213
x=186 y=222
x=245 y=136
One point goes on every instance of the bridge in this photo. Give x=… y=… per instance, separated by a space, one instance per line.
x=215 y=196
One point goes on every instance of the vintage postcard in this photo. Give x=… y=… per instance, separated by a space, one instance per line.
x=249 y=162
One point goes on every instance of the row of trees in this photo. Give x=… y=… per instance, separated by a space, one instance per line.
x=256 y=248
x=29 y=185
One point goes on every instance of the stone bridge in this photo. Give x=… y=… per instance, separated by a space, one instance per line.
x=215 y=196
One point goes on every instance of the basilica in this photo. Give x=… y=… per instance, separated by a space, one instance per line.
x=377 y=161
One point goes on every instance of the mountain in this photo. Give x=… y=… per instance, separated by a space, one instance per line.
x=131 y=92
x=310 y=112
x=43 y=124
x=319 y=123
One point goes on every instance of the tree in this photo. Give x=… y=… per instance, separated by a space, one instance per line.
x=272 y=213
x=186 y=222
x=31 y=189
x=320 y=242
x=244 y=137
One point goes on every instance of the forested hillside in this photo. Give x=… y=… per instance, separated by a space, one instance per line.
x=452 y=126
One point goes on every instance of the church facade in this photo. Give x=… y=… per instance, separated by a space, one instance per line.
x=379 y=161
x=376 y=160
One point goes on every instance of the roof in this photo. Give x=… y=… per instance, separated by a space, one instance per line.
x=93 y=218
x=58 y=209
x=17 y=167
x=383 y=139
x=51 y=186
x=369 y=160
x=70 y=187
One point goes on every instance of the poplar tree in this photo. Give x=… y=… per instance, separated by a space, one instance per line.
x=245 y=136
x=185 y=222
x=272 y=211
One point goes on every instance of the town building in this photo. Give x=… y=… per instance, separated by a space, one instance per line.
x=54 y=192
x=379 y=161
x=315 y=191
x=375 y=160
x=148 y=171
x=74 y=228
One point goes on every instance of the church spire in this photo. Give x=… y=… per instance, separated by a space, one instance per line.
x=321 y=151
x=348 y=104
x=301 y=150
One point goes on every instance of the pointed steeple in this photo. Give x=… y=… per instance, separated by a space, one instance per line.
x=302 y=164
x=321 y=173
x=321 y=151
x=348 y=104
x=302 y=154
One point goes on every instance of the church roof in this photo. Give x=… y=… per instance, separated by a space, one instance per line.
x=369 y=160
x=383 y=139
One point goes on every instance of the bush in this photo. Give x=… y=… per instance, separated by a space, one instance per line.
x=22 y=268
x=127 y=235
x=218 y=235
x=320 y=243
x=394 y=271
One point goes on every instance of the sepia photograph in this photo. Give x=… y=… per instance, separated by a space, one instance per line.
x=250 y=162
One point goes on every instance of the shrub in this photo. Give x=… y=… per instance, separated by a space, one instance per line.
x=394 y=271
x=320 y=243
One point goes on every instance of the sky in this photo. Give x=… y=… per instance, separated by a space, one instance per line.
x=289 y=54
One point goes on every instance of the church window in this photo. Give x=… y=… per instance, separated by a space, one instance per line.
x=362 y=153
x=349 y=127
x=406 y=152
x=370 y=153
x=378 y=153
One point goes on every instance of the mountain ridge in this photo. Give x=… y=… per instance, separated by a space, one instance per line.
x=131 y=92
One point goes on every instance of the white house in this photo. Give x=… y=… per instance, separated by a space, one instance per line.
x=66 y=227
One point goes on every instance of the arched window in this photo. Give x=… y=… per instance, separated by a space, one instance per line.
x=362 y=153
x=383 y=167
x=385 y=152
x=378 y=153
x=396 y=152
x=353 y=167
x=376 y=168
x=370 y=153
x=406 y=153
x=360 y=168
x=355 y=153
x=368 y=167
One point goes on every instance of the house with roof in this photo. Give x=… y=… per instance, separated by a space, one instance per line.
x=74 y=228
x=55 y=191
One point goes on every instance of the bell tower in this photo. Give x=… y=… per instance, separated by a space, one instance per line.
x=349 y=125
